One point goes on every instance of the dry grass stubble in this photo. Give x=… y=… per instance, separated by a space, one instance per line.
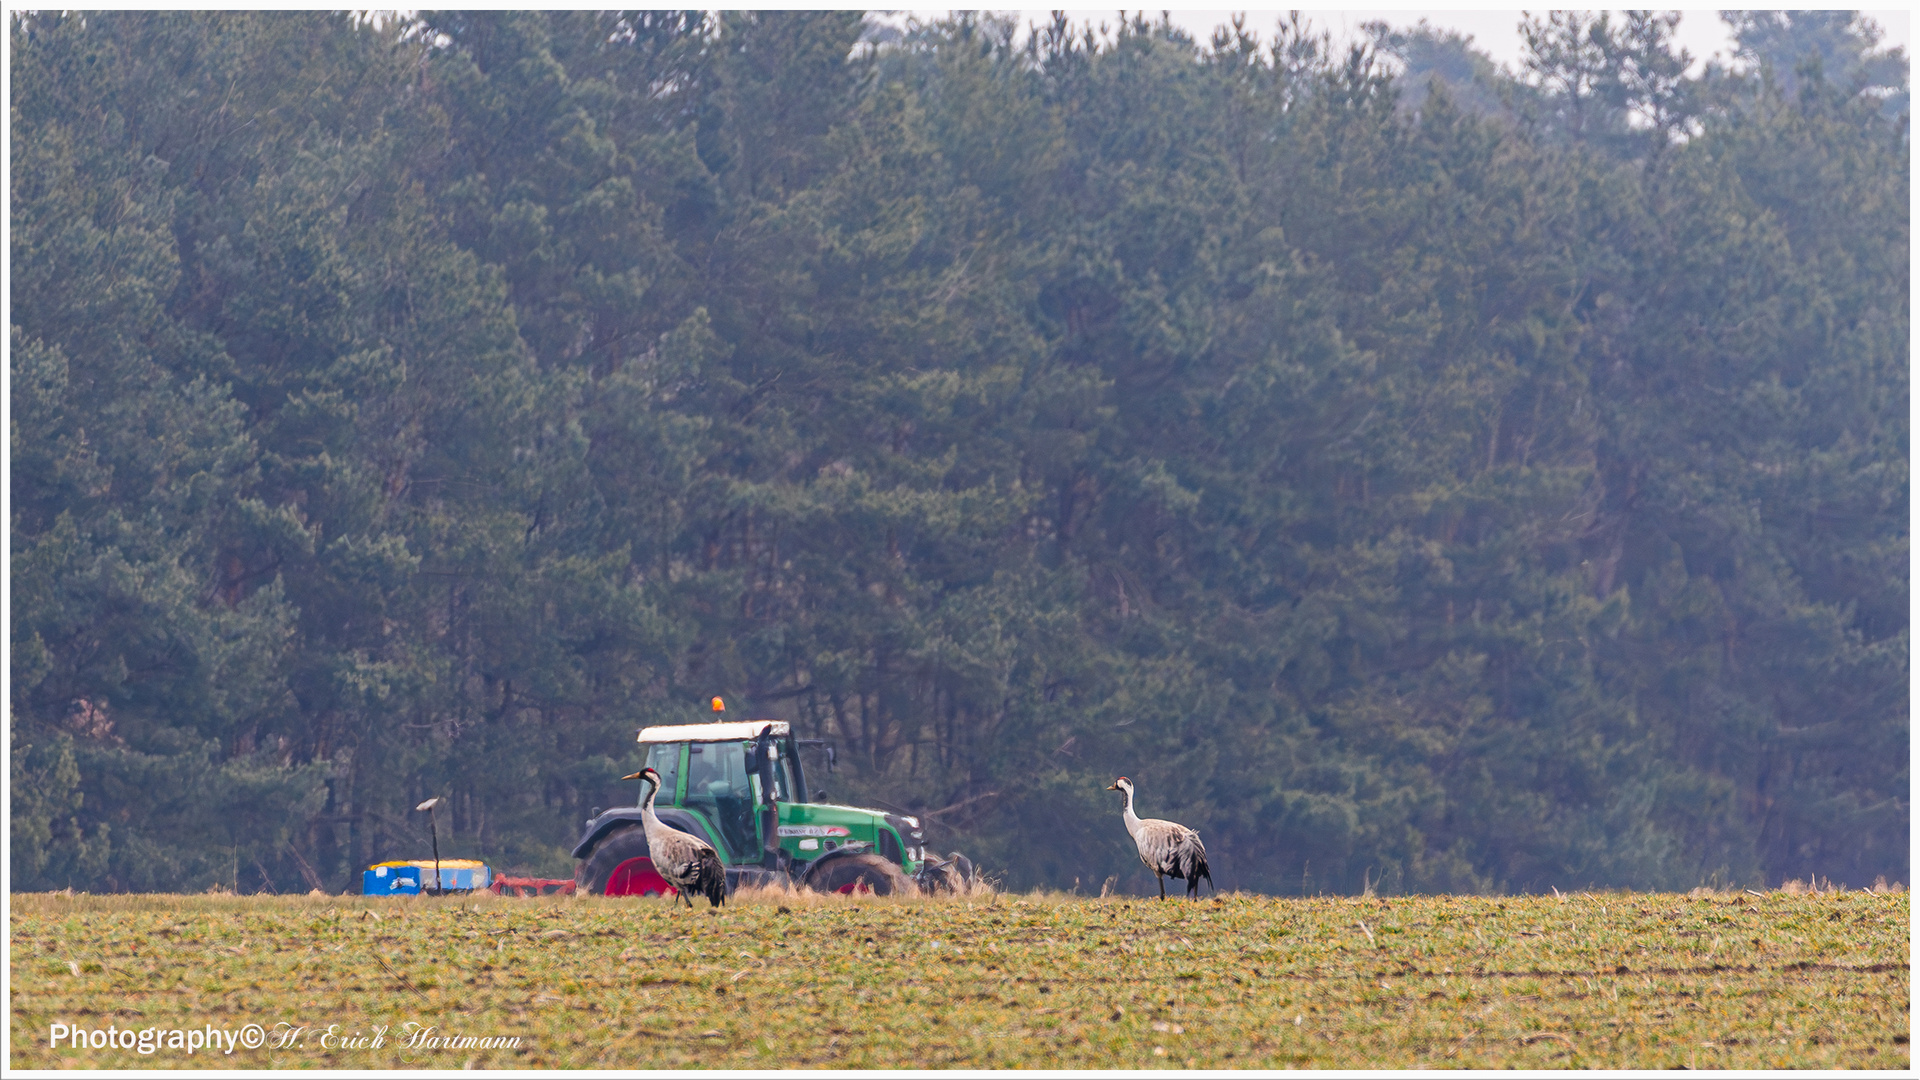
x=781 y=979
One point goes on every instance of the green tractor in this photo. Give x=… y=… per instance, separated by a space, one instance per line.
x=739 y=786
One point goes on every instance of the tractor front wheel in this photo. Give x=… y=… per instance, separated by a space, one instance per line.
x=858 y=873
x=620 y=865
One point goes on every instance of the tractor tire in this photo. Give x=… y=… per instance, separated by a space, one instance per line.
x=621 y=859
x=858 y=873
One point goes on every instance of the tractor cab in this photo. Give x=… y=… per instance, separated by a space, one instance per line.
x=739 y=786
x=716 y=769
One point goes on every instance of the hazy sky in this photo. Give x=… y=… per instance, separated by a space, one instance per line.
x=1494 y=32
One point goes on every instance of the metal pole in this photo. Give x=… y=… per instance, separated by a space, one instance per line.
x=434 y=829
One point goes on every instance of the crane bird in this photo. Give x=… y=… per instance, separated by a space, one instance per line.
x=681 y=859
x=1168 y=849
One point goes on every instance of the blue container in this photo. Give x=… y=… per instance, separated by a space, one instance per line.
x=391 y=881
x=411 y=877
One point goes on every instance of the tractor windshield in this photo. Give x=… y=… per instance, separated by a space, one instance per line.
x=717 y=781
x=665 y=757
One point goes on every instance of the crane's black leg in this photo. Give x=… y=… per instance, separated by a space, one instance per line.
x=1162 y=882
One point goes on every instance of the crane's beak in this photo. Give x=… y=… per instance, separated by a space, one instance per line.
x=635 y=776
x=1113 y=787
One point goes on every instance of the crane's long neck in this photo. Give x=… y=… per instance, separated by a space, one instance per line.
x=647 y=818
x=1132 y=819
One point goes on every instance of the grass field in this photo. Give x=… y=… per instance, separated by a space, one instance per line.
x=1607 y=980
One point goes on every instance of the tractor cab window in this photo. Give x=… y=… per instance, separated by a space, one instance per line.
x=717 y=783
x=664 y=757
x=782 y=774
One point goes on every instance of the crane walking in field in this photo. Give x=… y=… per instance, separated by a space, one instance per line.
x=682 y=860
x=1168 y=849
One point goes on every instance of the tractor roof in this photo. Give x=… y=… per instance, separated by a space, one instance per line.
x=723 y=732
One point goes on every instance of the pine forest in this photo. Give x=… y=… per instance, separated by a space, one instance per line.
x=1414 y=473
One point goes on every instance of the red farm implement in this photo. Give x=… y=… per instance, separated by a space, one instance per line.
x=532 y=886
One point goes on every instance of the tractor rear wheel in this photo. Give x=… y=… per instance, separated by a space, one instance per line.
x=858 y=873
x=620 y=866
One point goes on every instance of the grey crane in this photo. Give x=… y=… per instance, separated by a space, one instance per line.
x=953 y=874
x=684 y=861
x=1168 y=849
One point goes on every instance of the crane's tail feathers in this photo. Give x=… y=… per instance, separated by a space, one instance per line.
x=713 y=882
x=1194 y=873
